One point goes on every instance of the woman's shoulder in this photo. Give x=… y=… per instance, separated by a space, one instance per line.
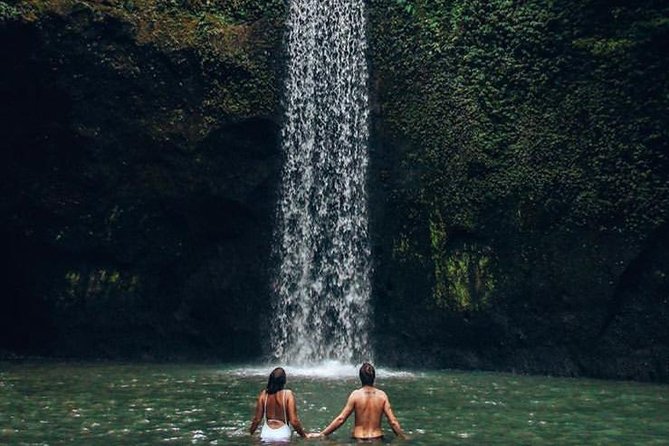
x=289 y=393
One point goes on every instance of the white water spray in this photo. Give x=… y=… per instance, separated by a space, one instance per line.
x=323 y=282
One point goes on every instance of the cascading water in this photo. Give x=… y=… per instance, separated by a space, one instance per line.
x=323 y=281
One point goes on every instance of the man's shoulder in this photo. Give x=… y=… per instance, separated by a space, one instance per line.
x=363 y=391
x=357 y=393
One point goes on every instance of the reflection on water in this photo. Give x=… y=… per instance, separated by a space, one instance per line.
x=94 y=404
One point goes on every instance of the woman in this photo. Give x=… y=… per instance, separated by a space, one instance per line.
x=278 y=407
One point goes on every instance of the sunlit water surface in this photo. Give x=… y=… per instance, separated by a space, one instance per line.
x=96 y=404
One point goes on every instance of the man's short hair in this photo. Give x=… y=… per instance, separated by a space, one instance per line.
x=367 y=374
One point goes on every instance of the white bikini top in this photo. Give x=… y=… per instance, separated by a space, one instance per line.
x=285 y=418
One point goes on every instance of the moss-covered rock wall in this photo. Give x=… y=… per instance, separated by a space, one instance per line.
x=522 y=184
x=139 y=163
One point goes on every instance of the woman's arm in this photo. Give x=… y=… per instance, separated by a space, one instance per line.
x=257 y=416
x=293 y=419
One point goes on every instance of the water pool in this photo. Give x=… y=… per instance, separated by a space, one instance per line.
x=96 y=404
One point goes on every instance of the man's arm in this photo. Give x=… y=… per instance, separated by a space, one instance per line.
x=341 y=418
x=293 y=419
x=257 y=416
x=392 y=420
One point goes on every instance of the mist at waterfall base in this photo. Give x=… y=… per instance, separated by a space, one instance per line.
x=326 y=370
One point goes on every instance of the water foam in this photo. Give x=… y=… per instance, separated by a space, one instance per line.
x=327 y=370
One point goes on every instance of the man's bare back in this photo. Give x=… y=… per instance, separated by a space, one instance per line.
x=369 y=405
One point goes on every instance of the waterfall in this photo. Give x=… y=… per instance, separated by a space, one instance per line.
x=322 y=285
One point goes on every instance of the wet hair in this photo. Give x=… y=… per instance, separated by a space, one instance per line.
x=367 y=374
x=276 y=381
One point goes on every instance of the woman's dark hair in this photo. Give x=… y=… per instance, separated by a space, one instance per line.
x=276 y=381
x=367 y=374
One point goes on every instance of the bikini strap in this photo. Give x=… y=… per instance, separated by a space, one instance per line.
x=285 y=418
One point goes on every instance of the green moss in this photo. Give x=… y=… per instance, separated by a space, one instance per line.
x=463 y=279
x=98 y=287
x=242 y=37
x=73 y=279
x=8 y=12
x=604 y=47
x=525 y=118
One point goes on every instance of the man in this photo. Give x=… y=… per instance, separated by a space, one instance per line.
x=369 y=404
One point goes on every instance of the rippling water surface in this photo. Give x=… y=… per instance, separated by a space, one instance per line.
x=49 y=403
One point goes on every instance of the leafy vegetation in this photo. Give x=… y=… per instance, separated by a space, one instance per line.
x=537 y=132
